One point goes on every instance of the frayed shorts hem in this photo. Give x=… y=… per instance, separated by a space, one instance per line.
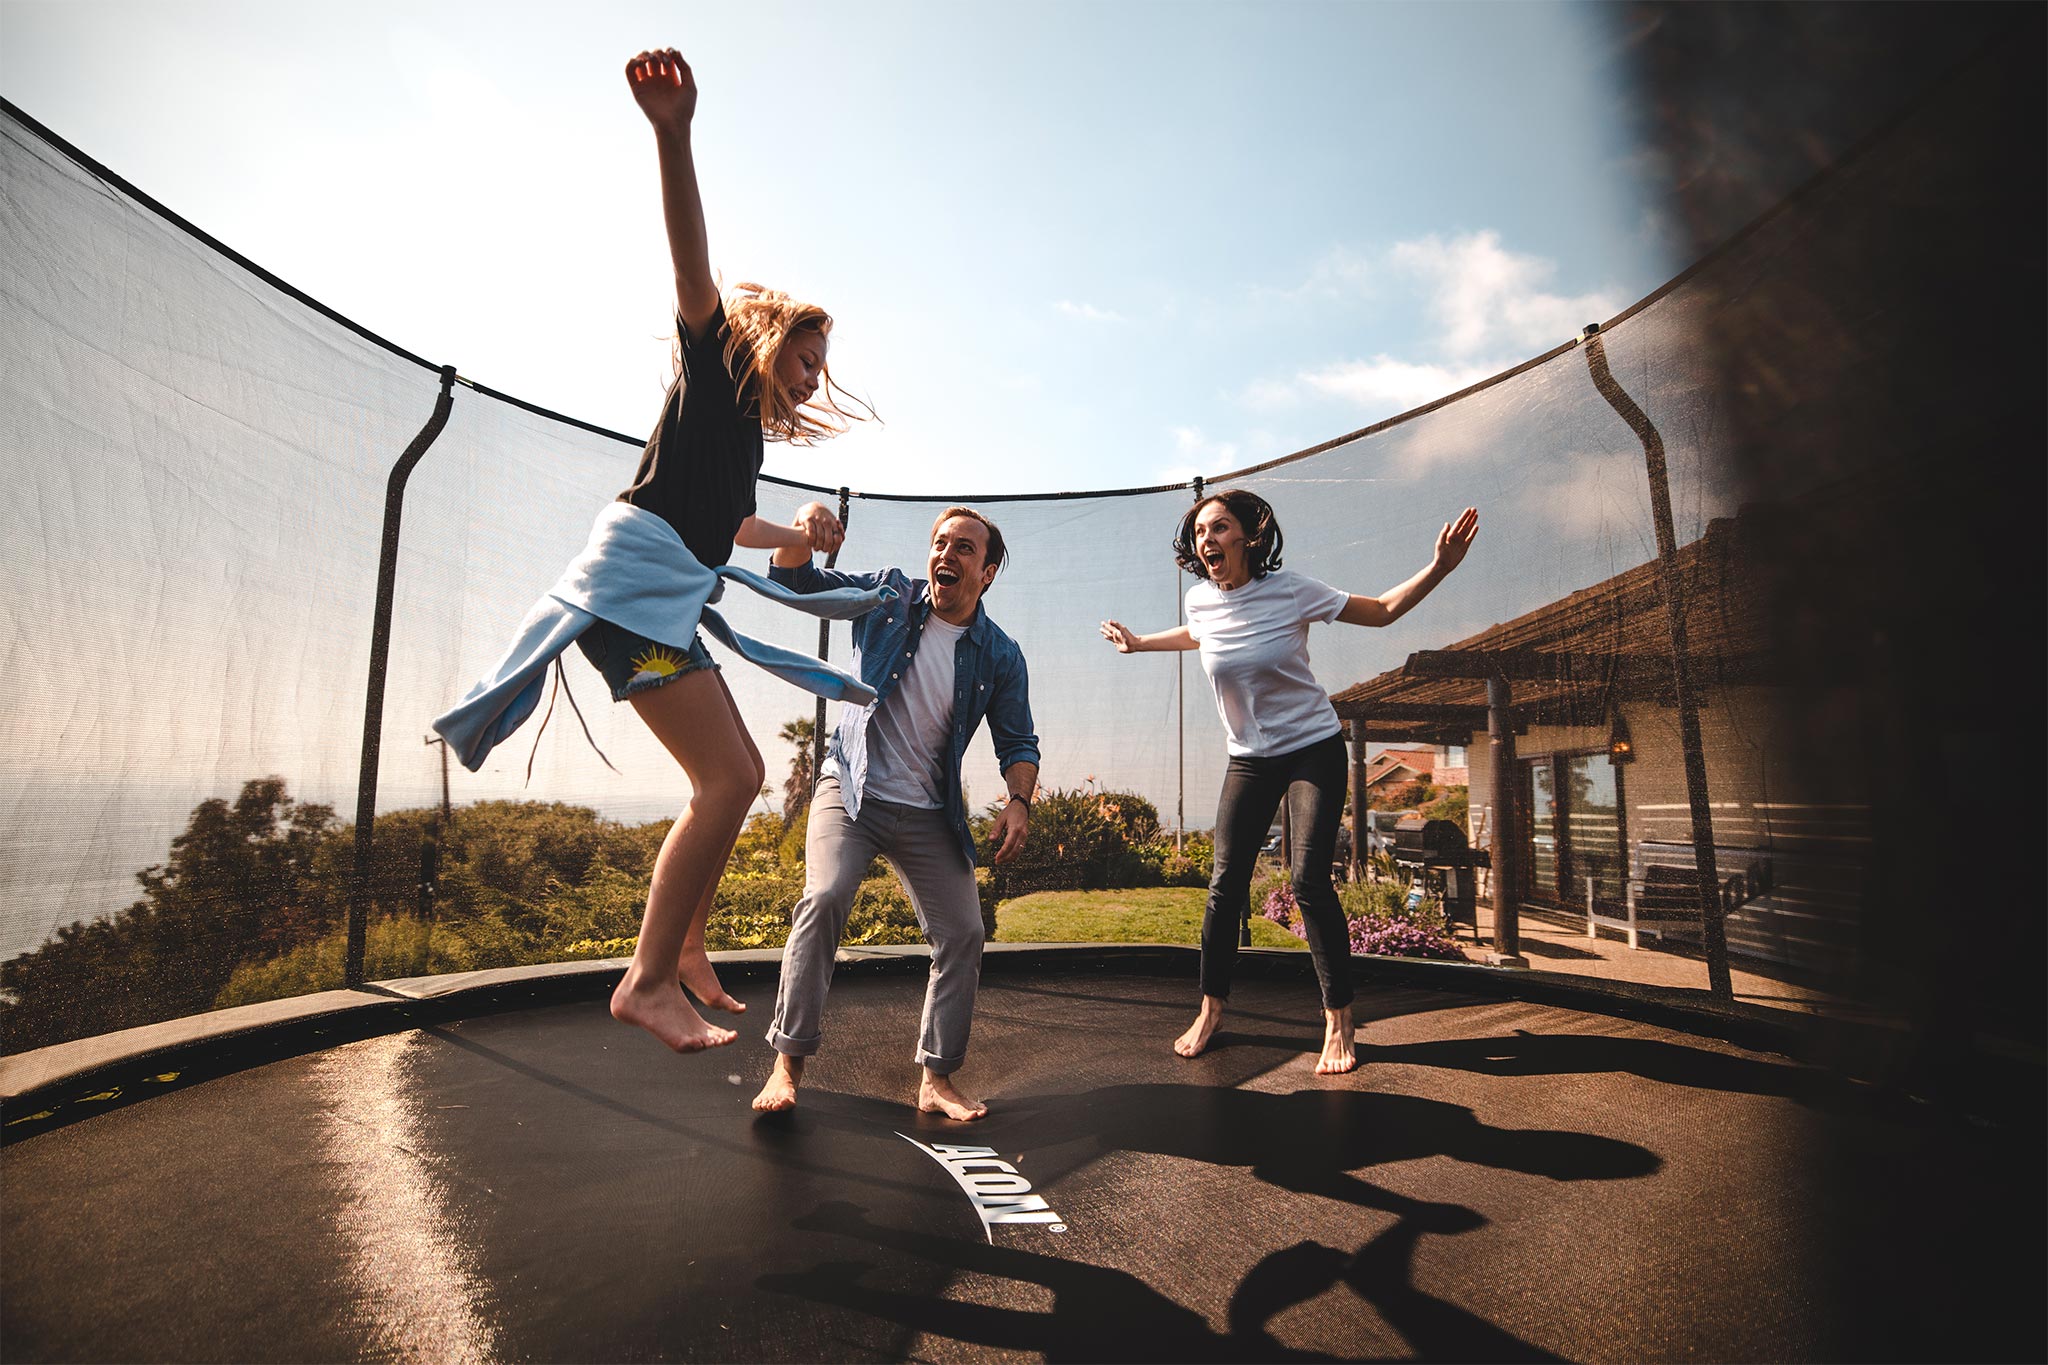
x=633 y=663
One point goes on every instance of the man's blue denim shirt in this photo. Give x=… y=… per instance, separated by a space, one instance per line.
x=989 y=679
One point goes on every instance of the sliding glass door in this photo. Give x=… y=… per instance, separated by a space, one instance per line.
x=1575 y=829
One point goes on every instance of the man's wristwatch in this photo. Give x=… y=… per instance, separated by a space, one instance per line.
x=1025 y=801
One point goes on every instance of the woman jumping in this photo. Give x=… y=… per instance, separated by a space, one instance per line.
x=1250 y=618
x=750 y=368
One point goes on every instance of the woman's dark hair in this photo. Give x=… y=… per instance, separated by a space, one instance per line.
x=1253 y=514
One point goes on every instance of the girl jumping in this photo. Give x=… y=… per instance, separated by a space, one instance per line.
x=1250 y=619
x=750 y=367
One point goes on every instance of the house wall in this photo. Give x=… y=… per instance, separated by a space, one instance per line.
x=1791 y=785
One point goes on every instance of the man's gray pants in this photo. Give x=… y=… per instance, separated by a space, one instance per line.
x=927 y=856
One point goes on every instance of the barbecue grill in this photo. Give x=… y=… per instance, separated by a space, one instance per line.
x=1437 y=851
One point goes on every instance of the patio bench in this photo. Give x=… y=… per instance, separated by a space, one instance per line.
x=1663 y=888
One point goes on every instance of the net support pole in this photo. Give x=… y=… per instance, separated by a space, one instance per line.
x=1356 y=863
x=824 y=652
x=1180 y=714
x=1713 y=933
x=1244 y=926
x=373 y=697
x=1180 y=710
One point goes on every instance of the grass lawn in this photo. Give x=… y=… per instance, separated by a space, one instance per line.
x=1155 y=914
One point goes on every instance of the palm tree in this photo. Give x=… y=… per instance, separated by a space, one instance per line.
x=796 y=789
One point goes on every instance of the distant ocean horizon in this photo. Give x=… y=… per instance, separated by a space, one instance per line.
x=73 y=847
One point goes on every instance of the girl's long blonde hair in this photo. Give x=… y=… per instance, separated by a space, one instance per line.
x=760 y=321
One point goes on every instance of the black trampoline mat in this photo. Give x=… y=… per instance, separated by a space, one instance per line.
x=1499 y=1180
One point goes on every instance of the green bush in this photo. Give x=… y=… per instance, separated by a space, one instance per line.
x=770 y=891
x=1452 y=804
x=1374 y=900
x=1265 y=889
x=392 y=948
x=1192 y=865
x=791 y=850
x=1085 y=840
x=985 y=892
x=759 y=847
x=250 y=903
x=881 y=913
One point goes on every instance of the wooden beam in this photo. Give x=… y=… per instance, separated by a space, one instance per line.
x=1532 y=665
x=1628 y=671
x=1506 y=874
x=1396 y=713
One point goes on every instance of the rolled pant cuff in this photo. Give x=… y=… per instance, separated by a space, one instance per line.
x=792 y=1047
x=939 y=1066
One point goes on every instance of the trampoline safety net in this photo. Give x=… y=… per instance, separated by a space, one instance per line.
x=198 y=460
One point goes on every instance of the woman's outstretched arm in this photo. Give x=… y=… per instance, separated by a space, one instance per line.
x=1451 y=544
x=667 y=93
x=1128 y=641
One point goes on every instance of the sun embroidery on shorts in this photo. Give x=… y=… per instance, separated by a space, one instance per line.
x=657 y=662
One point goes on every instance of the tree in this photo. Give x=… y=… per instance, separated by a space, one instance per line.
x=245 y=878
x=796 y=788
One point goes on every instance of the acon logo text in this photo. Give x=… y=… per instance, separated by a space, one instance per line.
x=998 y=1193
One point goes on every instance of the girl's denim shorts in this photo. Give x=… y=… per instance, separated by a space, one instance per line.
x=633 y=663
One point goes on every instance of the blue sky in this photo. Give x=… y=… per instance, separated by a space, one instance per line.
x=1069 y=246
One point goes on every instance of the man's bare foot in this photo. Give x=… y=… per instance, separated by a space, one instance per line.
x=936 y=1095
x=778 y=1096
x=659 y=1007
x=1338 y=1056
x=1192 y=1043
x=699 y=978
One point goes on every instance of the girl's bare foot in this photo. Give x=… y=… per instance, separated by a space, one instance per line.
x=701 y=980
x=778 y=1096
x=936 y=1095
x=1192 y=1043
x=659 y=1007
x=1338 y=1056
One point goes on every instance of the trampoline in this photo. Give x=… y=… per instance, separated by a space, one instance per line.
x=482 y=1165
x=1500 y=1179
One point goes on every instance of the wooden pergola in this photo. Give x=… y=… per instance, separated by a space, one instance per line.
x=1570 y=662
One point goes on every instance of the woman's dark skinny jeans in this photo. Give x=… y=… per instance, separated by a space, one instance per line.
x=1312 y=781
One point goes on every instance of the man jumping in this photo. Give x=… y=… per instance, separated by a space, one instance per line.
x=890 y=787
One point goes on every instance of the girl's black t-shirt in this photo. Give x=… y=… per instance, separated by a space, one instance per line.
x=698 y=471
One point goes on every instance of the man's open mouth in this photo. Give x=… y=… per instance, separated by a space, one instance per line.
x=945 y=578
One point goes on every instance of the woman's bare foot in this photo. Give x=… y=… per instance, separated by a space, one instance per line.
x=1192 y=1043
x=701 y=980
x=778 y=1096
x=1338 y=1056
x=936 y=1095
x=659 y=1007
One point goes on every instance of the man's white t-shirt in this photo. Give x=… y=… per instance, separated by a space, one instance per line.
x=908 y=737
x=1254 y=643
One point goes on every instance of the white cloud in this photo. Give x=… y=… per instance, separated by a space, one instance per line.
x=1087 y=312
x=1195 y=454
x=1385 y=384
x=1603 y=494
x=1272 y=395
x=1485 y=309
x=1340 y=273
x=1487 y=300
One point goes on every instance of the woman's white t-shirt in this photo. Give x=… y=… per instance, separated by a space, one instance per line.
x=1254 y=643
